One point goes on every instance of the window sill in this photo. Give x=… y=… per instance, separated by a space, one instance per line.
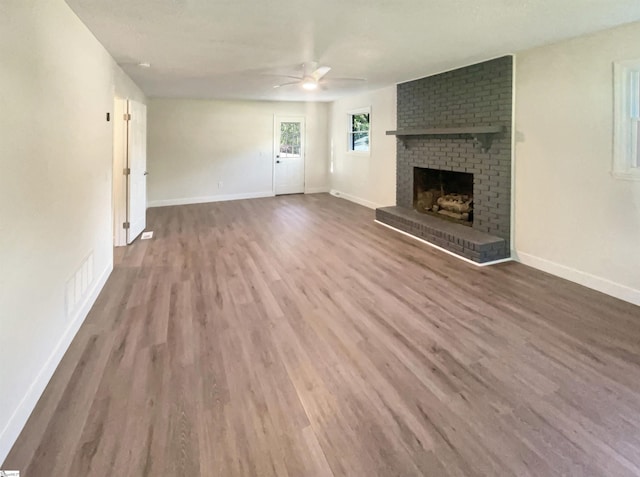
x=630 y=175
x=359 y=153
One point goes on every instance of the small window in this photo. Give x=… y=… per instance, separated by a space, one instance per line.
x=359 y=126
x=290 y=139
x=626 y=153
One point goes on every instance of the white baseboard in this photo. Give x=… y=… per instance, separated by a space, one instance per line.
x=20 y=416
x=353 y=198
x=212 y=198
x=460 y=257
x=316 y=190
x=600 y=284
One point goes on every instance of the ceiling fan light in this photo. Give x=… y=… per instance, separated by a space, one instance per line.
x=309 y=85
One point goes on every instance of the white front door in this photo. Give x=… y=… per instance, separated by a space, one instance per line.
x=289 y=156
x=137 y=164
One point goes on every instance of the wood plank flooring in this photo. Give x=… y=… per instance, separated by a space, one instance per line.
x=294 y=337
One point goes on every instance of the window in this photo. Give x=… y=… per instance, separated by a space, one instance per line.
x=290 y=139
x=626 y=141
x=359 y=124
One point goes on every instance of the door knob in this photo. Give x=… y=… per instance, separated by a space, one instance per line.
x=146 y=173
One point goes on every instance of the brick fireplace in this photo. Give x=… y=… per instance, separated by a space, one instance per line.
x=455 y=128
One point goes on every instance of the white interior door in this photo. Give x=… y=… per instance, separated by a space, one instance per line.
x=137 y=164
x=289 y=152
x=120 y=126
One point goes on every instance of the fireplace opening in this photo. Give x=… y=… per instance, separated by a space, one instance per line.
x=444 y=194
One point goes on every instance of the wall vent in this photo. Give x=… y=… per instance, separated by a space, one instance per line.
x=79 y=284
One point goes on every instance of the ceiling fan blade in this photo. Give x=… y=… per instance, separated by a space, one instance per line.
x=320 y=72
x=275 y=75
x=345 y=79
x=286 y=84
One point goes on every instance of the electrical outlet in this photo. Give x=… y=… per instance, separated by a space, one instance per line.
x=219 y=184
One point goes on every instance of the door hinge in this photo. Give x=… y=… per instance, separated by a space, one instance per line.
x=127 y=117
x=125 y=225
x=126 y=171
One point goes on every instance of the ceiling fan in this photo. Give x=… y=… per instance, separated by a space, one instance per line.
x=313 y=76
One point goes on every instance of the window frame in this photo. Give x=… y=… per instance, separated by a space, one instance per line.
x=626 y=119
x=350 y=114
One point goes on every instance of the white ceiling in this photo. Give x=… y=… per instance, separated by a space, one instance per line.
x=229 y=49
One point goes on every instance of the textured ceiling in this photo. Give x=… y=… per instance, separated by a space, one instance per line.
x=235 y=48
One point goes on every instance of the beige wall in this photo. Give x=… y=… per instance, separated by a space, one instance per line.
x=125 y=87
x=369 y=180
x=57 y=83
x=572 y=218
x=195 y=144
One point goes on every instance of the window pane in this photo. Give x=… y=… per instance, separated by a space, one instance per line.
x=626 y=150
x=634 y=95
x=361 y=141
x=290 y=139
x=635 y=114
x=637 y=151
x=360 y=122
x=359 y=132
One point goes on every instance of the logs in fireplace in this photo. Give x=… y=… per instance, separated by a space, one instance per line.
x=455 y=206
x=445 y=194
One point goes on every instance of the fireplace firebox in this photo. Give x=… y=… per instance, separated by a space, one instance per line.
x=443 y=194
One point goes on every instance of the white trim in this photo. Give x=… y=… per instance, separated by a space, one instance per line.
x=277 y=120
x=624 y=134
x=464 y=259
x=353 y=198
x=316 y=190
x=512 y=241
x=212 y=198
x=359 y=153
x=627 y=176
x=588 y=280
x=119 y=180
x=273 y=154
x=351 y=112
x=21 y=414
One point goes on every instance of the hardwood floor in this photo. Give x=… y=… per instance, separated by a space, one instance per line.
x=292 y=336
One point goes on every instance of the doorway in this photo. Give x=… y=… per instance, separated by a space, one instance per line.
x=129 y=170
x=289 y=146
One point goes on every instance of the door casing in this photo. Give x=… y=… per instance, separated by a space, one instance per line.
x=277 y=120
x=119 y=199
x=137 y=167
x=122 y=143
